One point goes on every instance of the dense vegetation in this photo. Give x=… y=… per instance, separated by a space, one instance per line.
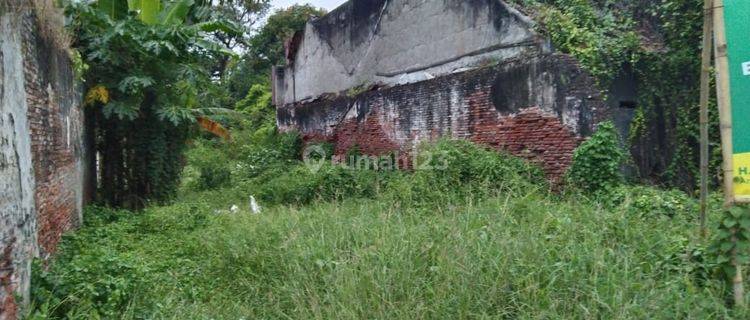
x=143 y=73
x=659 y=43
x=484 y=239
x=479 y=234
x=154 y=69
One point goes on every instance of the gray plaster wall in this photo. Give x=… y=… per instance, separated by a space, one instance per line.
x=17 y=207
x=43 y=153
x=394 y=42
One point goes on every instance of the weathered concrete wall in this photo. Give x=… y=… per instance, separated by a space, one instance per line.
x=464 y=69
x=42 y=151
x=17 y=210
x=397 y=42
x=538 y=108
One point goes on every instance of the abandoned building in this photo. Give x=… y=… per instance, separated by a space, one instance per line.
x=385 y=75
x=42 y=148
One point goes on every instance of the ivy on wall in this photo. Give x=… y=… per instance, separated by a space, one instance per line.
x=660 y=40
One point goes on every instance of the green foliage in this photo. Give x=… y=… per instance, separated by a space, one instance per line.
x=257 y=104
x=324 y=150
x=289 y=144
x=270 y=167
x=451 y=171
x=652 y=202
x=598 y=37
x=660 y=42
x=517 y=255
x=79 y=66
x=148 y=9
x=300 y=185
x=448 y=171
x=97 y=281
x=597 y=163
x=266 y=48
x=464 y=217
x=151 y=86
x=669 y=96
x=732 y=242
x=238 y=20
x=214 y=164
x=115 y=9
x=214 y=169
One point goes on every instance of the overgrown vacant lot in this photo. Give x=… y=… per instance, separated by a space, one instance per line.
x=480 y=237
x=511 y=256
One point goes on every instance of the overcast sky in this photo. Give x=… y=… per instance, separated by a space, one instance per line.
x=327 y=4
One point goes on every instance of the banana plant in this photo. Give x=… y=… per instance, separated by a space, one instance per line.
x=162 y=12
x=151 y=12
x=169 y=12
x=148 y=10
x=159 y=14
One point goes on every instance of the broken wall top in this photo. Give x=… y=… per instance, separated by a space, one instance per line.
x=393 y=42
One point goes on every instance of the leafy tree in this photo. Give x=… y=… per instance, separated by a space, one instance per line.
x=266 y=48
x=257 y=104
x=245 y=14
x=146 y=90
x=242 y=15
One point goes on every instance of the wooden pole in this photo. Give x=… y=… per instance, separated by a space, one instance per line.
x=725 y=120
x=738 y=289
x=705 y=87
x=722 y=94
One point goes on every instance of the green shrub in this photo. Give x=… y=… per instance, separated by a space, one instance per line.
x=91 y=278
x=212 y=165
x=289 y=145
x=257 y=159
x=297 y=186
x=300 y=185
x=257 y=105
x=597 y=162
x=448 y=171
x=323 y=150
x=338 y=182
x=652 y=202
x=214 y=177
x=456 y=170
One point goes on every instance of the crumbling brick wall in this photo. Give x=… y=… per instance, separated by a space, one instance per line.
x=57 y=144
x=538 y=108
x=42 y=151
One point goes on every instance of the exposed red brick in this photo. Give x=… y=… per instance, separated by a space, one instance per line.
x=55 y=121
x=464 y=106
x=8 y=306
x=54 y=158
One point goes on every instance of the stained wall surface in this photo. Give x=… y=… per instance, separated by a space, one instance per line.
x=538 y=108
x=42 y=151
x=397 y=42
x=386 y=75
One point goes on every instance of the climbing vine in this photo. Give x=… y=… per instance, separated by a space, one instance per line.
x=597 y=162
x=660 y=42
x=732 y=243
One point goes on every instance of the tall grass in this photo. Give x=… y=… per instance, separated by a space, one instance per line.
x=509 y=257
x=482 y=238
